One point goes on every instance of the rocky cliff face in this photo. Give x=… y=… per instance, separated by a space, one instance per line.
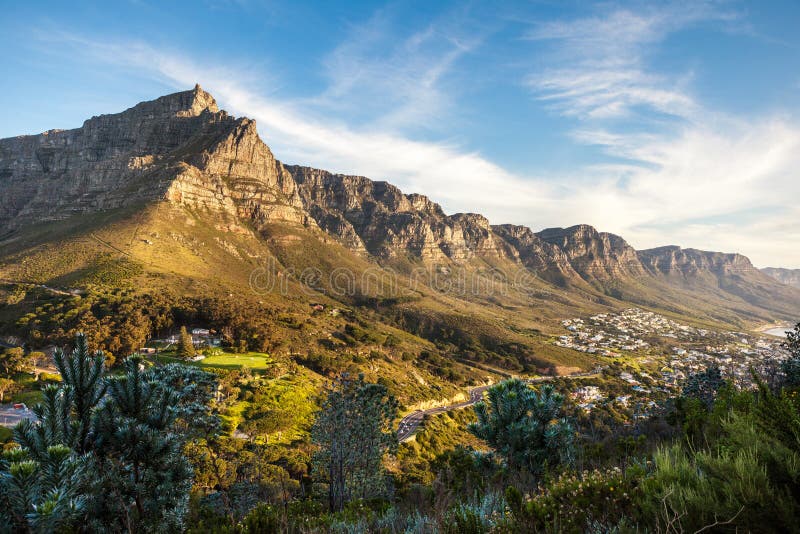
x=674 y=260
x=595 y=255
x=182 y=149
x=377 y=218
x=543 y=258
x=179 y=147
x=790 y=277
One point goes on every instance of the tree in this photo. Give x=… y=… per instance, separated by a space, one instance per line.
x=143 y=476
x=82 y=388
x=6 y=386
x=13 y=360
x=746 y=476
x=792 y=343
x=36 y=358
x=704 y=386
x=791 y=366
x=352 y=434
x=524 y=426
x=105 y=452
x=185 y=345
x=43 y=494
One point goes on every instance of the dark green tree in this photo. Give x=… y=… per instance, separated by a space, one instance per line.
x=791 y=366
x=704 y=385
x=143 y=475
x=792 y=343
x=106 y=452
x=352 y=434
x=525 y=426
x=185 y=346
x=42 y=493
x=83 y=386
x=693 y=407
x=13 y=360
x=745 y=477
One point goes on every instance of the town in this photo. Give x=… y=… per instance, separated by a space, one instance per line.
x=653 y=354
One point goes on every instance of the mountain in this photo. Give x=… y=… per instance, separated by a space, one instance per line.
x=178 y=148
x=595 y=255
x=790 y=277
x=177 y=197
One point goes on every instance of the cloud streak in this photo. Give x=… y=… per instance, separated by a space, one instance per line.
x=602 y=61
x=395 y=82
x=709 y=181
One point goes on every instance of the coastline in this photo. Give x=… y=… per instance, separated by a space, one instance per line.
x=773 y=326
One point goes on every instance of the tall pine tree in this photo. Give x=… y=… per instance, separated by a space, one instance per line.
x=185 y=346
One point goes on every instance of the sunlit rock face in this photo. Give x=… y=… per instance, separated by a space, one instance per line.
x=377 y=218
x=179 y=148
x=593 y=254
x=674 y=260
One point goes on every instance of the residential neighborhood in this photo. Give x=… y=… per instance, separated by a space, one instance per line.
x=655 y=354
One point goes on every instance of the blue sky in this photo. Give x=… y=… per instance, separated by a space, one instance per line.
x=668 y=123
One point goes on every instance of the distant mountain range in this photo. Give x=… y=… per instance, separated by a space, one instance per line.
x=789 y=277
x=191 y=197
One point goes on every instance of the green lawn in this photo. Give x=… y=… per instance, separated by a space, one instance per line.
x=227 y=360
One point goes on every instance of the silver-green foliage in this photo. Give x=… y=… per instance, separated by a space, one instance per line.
x=105 y=452
x=525 y=425
x=352 y=434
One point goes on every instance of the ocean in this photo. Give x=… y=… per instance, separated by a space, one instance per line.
x=780 y=332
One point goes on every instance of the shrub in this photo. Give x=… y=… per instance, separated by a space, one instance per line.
x=572 y=501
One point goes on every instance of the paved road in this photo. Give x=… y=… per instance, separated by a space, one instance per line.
x=409 y=424
x=9 y=417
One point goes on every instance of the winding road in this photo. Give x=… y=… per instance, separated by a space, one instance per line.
x=409 y=424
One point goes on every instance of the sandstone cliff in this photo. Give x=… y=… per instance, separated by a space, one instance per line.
x=595 y=255
x=674 y=260
x=179 y=147
x=377 y=218
x=790 y=277
x=183 y=150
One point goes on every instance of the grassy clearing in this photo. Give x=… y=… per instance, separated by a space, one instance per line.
x=257 y=361
x=253 y=360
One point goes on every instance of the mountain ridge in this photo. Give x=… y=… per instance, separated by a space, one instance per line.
x=790 y=277
x=182 y=150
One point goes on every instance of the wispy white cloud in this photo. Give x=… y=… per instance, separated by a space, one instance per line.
x=394 y=78
x=705 y=178
x=600 y=61
x=698 y=184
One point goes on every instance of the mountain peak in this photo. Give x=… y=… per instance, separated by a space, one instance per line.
x=202 y=100
x=191 y=103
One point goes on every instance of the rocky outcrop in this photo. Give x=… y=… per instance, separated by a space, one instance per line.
x=595 y=255
x=377 y=218
x=790 y=277
x=673 y=260
x=543 y=258
x=182 y=149
x=179 y=147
